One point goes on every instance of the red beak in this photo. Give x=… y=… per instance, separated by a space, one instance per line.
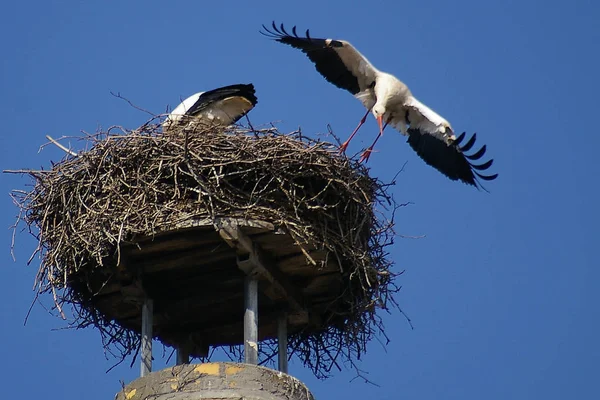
x=380 y=123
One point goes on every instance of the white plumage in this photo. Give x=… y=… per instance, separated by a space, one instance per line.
x=391 y=102
x=221 y=106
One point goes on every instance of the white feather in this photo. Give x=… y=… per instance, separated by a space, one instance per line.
x=222 y=112
x=177 y=114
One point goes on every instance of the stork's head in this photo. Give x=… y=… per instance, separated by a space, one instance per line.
x=379 y=111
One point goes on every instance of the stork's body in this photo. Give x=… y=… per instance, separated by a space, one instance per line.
x=391 y=102
x=220 y=106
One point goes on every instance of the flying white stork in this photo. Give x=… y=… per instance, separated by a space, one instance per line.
x=391 y=102
x=221 y=106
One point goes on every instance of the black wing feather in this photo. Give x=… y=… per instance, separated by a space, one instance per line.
x=484 y=166
x=450 y=159
x=459 y=138
x=478 y=154
x=323 y=54
x=209 y=97
x=469 y=144
x=487 y=177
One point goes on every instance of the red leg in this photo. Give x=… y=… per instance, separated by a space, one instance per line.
x=367 y=153
x=347 y=142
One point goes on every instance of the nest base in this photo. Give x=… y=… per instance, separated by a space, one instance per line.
x=195 y=277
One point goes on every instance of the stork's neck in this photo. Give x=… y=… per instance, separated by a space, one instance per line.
x=389 y=90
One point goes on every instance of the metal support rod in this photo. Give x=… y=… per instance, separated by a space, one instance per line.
x=282 y=342
x=147 y=312
x=183 y=357
x=251 y=321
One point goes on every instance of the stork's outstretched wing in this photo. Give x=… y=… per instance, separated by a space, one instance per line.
x=451 y=159
x=337 y=60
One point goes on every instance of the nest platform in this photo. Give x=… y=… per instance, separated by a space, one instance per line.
x=184 y=218
x=195 y=277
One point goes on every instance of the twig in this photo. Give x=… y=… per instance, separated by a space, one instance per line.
x=118 y=96
x=60 y=146
x=30 y=308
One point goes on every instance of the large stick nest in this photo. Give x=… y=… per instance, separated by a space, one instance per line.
x=137 y=183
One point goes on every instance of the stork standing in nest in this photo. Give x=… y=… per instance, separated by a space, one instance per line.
x=391 y=102
x=222 y=106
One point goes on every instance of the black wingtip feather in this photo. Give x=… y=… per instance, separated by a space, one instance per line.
x=484 y=166
x=478 y=154
x=450 y=159
x=469 y=144
x=487 y=177
x=321 y=52
x=459 y=138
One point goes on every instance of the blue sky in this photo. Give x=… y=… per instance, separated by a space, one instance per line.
x=503 y=288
